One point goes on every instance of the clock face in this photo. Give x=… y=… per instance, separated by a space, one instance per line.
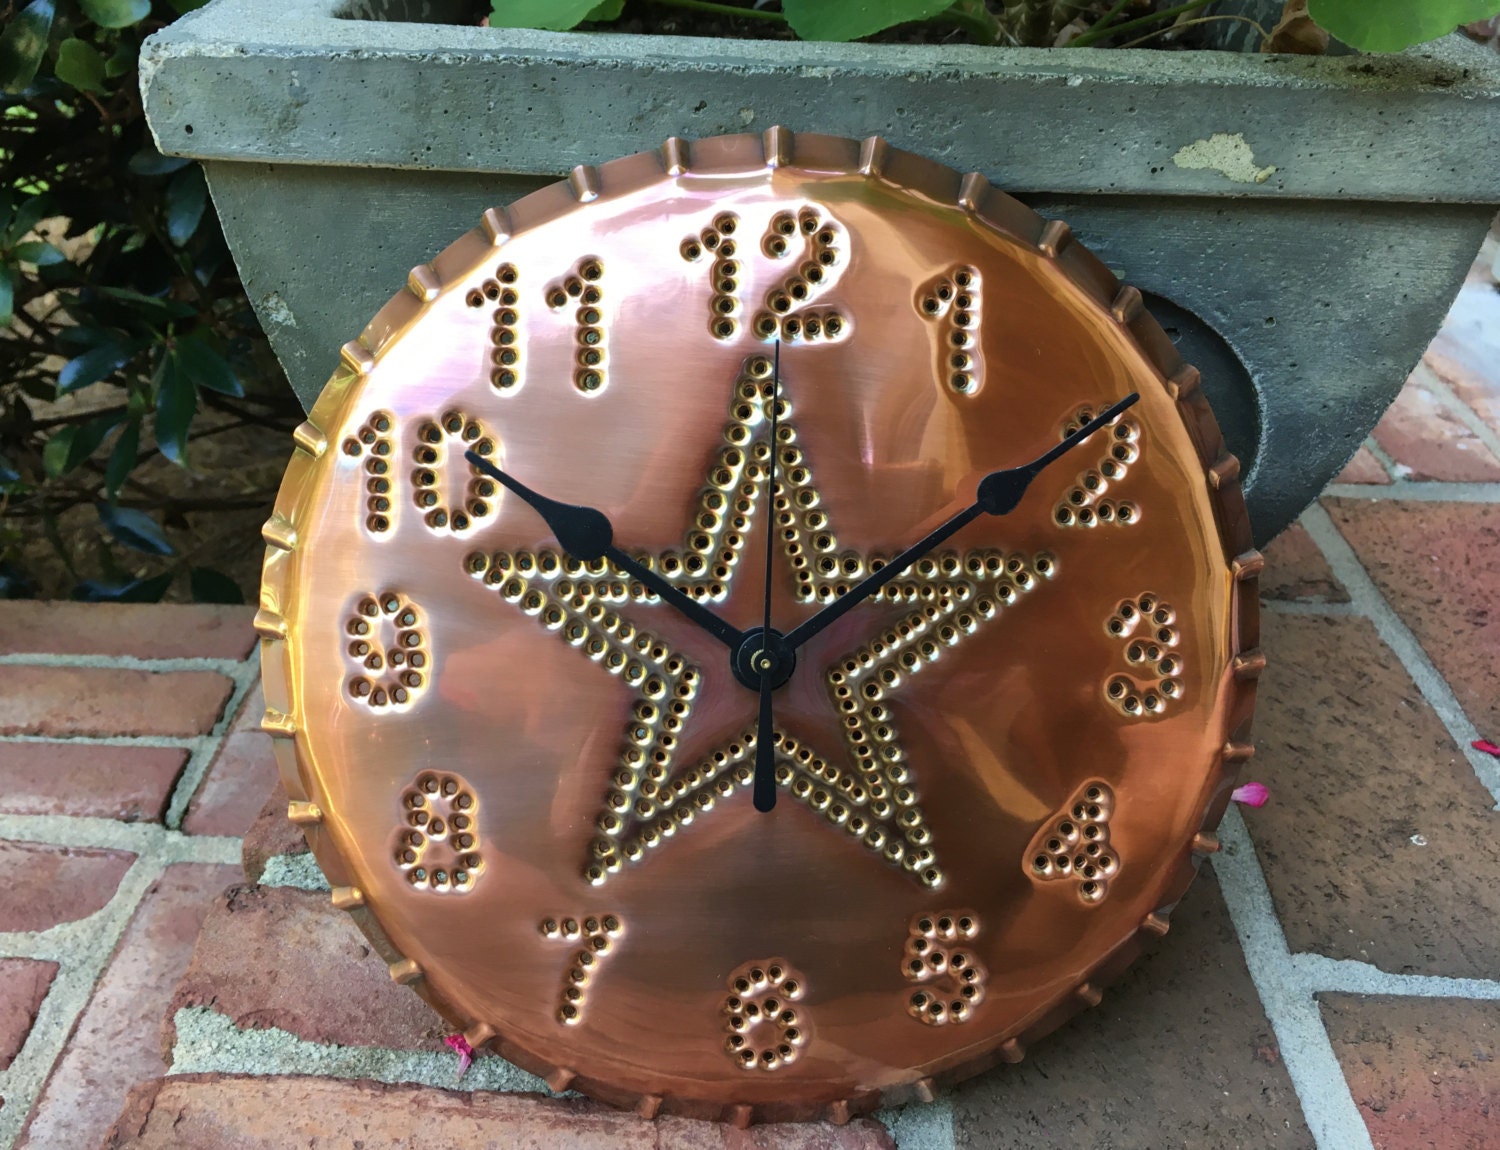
x=530 y=779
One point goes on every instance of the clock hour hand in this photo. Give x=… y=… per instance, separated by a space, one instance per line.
x=999 y=493
x=586 y=534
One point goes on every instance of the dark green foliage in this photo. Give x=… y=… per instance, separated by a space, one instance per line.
x=135 y=529
x=851 y=19
x=555 y=15
x=1370 y=25
x=210 y=586
x=116 y=13
x=24 y=43
x=1391 y=25
x=113 y=267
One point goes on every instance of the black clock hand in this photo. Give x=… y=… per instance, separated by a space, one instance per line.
x=586 y=534
x=764 y=791
x=999 y=493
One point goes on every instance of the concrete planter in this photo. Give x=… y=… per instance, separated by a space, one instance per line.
x=1299 y=223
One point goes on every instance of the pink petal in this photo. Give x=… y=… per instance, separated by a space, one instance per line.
x=460 y=1046
x=1252 y=794
x=1486 y=746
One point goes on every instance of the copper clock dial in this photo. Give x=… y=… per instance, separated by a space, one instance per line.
x=528 y=778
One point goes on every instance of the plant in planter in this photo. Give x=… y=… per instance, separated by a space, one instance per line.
x=126 y=343
x=1297 y=222
x=1368 y=25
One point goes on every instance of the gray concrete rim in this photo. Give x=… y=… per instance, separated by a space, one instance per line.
x=294 y=81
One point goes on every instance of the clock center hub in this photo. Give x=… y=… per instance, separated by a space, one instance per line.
x=762 y=654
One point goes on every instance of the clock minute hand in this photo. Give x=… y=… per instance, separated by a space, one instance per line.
x=587 y=534
x=999 y=493
x=764 y=788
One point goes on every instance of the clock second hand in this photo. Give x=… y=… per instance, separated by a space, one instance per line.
x=765 y=736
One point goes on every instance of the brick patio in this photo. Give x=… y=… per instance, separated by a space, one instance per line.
x=172 y=973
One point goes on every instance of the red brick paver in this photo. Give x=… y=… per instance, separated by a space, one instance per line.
x=1466 y=352
x=142 y=630
x=1427 y=440
x=132 y=784
x=1179 y=1053
x=286 y=958
x=1439 y=565
x=1295 y=569
x=1363 y=468
x=58 y=701
x=115 y=1042
x=43 y=885
x=1377 y=824
x=209 y=1112
x=271 y=834
x=241 y=775
x=1425 y=1072
x=23 y=984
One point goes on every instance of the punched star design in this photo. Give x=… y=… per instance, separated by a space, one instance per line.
x=870 y=791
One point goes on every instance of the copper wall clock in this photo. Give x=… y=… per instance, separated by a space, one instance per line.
x=560 y=672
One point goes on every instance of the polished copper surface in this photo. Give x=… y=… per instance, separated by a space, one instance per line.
x=528 y=780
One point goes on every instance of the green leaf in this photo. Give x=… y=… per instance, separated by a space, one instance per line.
x=7 y=294
x=123 y=62
x=210 y=586
x=22 y=45
x=38 y=253
x=206 y=367
x=116 y=13
x=162 y=310
x=83 y=336
x=55 y=454
x=54 y=537
x=187 y=195
x=1391 y=25
x=122 y=458
x=606 y=10
x=176 y=401
x=80 y=64
x=88 y=439
x=149 y=162
x=72 y=444
x=851 y=19
x=26 y=218
x=95 y=364
x=135 y=529
x=135 y=591
x=552 y=15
